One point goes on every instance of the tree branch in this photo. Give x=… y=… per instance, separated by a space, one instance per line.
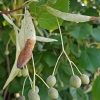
x=8 y=69
x=7 y=12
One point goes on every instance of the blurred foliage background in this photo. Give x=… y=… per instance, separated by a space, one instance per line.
x=81 y=41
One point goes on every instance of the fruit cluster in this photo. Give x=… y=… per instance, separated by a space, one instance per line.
x=52 y=92
x=76 y=81
x=22 y=72
x=32 y=94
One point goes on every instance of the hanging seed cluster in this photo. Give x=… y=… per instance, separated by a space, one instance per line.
x=76 y=81
x=33 y=94
x=22 y=72
x=52 y=92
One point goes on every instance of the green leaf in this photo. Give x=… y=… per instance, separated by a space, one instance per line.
x=90 y=59
x=5 y=35
x=61 y=5
x=74 y=50
x=78 y=94
x=1 y=2
x=96 y=89
x=13 y=37
x=96 y=34
x=1 y=19
x=1 y=58
x=1 y=98
x=97 y=3
x=67 y=70
x=2 y=49
x=91 y=12
x=2 y=72
x=47 y=20
x=14 y=86
x=41 y=2
x=2 y=83
x=44 y=93
x=59 y=98
x=81 y=31
x=55 y=45
x=50 y=59
x=73 y=4
x=59 y=39
x=62 y=79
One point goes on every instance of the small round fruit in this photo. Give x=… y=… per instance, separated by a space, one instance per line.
x=33 y=95
x=53 y=93
x=6 y=52
x=19 y=74
x=36 y=89
x=75 y=81
x=21 y=98
x=24 y=72
x=84 y=79
x=51 y=80
x=36 y=22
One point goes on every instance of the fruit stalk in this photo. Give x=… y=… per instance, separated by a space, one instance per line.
x=63 y=50
x=23 y=86
x=34 y=72
x=42 y=81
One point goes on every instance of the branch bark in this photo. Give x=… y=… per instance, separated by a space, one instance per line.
x=8 y=69
x=8 y=12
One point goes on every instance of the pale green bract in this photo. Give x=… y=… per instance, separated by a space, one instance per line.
x=67 y=16
x=27 y=31
x=43 y=39
x=14 y=70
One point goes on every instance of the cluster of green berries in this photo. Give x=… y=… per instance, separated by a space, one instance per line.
x=6 y=52
x=32 y=94
x=22 y=72
x=76 y=81
x=52 y=92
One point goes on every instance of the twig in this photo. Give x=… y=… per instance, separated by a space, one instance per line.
x=8 y=69
x=57 y=63
x=34 y=72
x=5 y=93
x=8 y=12
x=8 y=64
x=24 y=85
